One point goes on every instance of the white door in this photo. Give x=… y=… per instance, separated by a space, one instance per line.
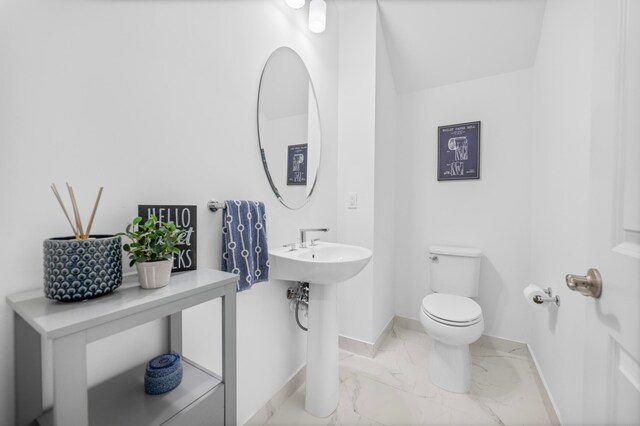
x=612 y=358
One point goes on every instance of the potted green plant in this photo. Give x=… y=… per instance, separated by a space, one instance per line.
x=151 y=250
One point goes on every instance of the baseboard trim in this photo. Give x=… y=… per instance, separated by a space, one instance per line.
x=499 y=343
x=549 y=403
x=266 y=412
x=408 y=323
x=360 y=347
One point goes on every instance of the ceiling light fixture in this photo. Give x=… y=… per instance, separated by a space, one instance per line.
x=317 y=16
x=317 y=13
x=295 y=4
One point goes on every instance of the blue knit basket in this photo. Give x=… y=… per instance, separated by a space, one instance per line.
x=163 y=373
x=76 y=270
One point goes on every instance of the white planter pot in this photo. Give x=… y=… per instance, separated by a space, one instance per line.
x=154 y=274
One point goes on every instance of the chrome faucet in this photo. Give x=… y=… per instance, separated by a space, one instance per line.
x=303 y=234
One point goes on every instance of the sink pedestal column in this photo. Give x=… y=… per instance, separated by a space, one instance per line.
x=323 y=384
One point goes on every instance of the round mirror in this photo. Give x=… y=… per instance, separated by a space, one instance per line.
x=289 y=128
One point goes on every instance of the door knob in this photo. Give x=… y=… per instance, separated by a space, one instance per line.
x=588 y=285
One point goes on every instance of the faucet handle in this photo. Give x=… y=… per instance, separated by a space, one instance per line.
x=292 y=246
x=313 y=242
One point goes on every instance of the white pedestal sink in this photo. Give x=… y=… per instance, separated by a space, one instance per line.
x=323 y=266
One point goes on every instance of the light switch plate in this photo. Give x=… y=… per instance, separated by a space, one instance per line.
x=352 y=202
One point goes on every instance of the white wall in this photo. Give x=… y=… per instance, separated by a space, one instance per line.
x=356 y=158
x=384 y=215
x=367 y=132
x=560 y=154
x=492 y=213
x=156 y=101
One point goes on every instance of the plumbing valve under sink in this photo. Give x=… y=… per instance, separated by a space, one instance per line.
x=299 y=295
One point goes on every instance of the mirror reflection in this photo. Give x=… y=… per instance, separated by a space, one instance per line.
x=289 y=128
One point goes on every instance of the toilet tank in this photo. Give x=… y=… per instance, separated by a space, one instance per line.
x=455 y=270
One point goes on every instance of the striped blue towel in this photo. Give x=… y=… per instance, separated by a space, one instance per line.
x=244 y=242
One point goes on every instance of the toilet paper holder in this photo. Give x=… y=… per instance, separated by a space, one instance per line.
x=550 y=298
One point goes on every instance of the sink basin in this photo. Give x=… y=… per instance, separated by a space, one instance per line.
x=324 y=263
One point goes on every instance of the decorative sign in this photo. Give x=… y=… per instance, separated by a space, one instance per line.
x=459 y=151
x=185 y=217
x=297 y=165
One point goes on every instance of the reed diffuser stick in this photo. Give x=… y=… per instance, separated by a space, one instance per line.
x=55 y=192
x=75 y=211
x=93 y=213
x=78 y=230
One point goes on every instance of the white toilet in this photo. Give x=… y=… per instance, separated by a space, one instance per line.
x=450 y=317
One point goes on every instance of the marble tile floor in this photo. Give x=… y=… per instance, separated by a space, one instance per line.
x=394 y=389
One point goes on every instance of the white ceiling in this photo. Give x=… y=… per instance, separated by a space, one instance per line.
x=436 y=42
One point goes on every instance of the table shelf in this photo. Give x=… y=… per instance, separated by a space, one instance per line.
x=121 y=400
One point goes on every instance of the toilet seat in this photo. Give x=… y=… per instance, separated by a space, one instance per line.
x=451 y=310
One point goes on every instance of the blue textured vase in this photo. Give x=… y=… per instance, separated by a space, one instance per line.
x=163 y=373
x=76 y=270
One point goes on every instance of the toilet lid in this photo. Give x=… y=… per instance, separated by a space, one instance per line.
x=451 y=308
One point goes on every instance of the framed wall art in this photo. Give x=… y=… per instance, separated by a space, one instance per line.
x=459 y=151
x=297 y=164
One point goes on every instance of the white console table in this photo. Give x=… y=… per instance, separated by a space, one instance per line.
x=201 y=398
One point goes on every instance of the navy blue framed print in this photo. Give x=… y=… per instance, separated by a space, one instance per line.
x=459 y=151
x=297 y=164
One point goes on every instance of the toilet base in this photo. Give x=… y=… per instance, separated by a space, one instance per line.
x=450 y=367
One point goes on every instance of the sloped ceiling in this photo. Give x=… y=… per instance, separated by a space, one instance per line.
x=437 y=42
